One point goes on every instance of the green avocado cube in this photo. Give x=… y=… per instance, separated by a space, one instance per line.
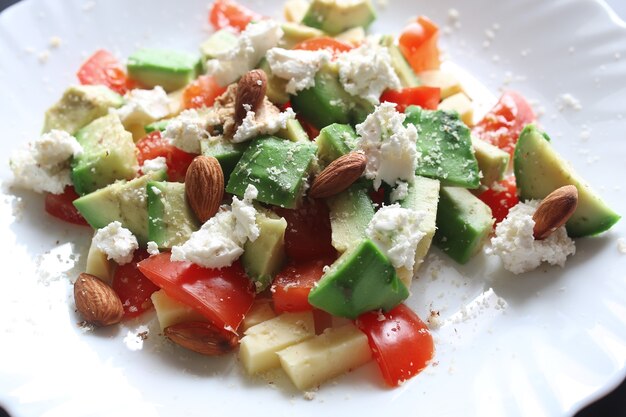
x=334 y=141
x=276 y=167
x=336 y=16
x=219 y=42
x=171 y=70
x=170 y=219
x=226 y=152
x=350 y=213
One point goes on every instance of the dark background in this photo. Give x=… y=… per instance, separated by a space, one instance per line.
x=613 y=405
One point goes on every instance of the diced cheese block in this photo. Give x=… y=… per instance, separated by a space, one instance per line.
x=462 y=104
x=99 y=265
x=259 y=312
x=354 y=36
x=295 y=10
x=176 y=102
x=446 y=81
x=257 y=349
x=170 y=311
x=332 y=353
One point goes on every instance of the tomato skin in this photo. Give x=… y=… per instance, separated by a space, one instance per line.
x=292 y=285
x=501 y=198
x=503 y=124
x=202 y=92
x=153 y=145
x=228 y=13
x=400 y=343
x=418 y=43
x=425 y=97
x=324 y=42
x=223 y=295
x=133 y=288
x=102 y=68
x=61 y=207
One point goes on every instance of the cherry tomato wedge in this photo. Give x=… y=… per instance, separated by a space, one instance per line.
x=292 y=285
x=324 y=42
x=400 y=342
x=61 y=207
x=425 y=97
x=418 y=43
x=202 y=92
x=153 y=146
x=501 y=197
x=133 y=288
x=102 y=68
x=228 y=13
x=223 y=295
x=503 y=124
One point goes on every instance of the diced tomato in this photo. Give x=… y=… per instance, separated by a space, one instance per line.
x=102 y=68
x=310 y=130
x=324 y=42
x=501 y=197
x=308 y=231
x=222 y=295
x=378 y=196
x=202 y=92
x=504 y=123
x=400 y=342
x=418 y=43
x=153 y=146
x=228 y=13
x=61 y=207
x=133 y=288
x=292 y=285
x=425 y=97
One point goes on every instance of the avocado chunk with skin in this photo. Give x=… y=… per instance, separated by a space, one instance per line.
x=226 y=152
x=362 y=279
x=124 y=201
x=350 y=213
x=405 y=73
x=294 y=132
x=79 y=106
x=539 y=170
x=444 y=147
x=276 y=90
x=464 y=223
x=170 y=219
x=169 y=69
x=336 y=16
x=219 y=42
x=492 y=161
x=334 y=141
x=109 y=154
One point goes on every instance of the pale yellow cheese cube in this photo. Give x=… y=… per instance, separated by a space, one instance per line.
x=99 y=265
x=354 y=36
x=295 y=10
x=259 y=312
x=462 y=104
x=170 y=311
x=332 y=353
x=446 y=81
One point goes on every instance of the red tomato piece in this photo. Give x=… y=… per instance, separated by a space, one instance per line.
x=418 y=43
x=501 y=197
x=102 y=68
x=308 y=231
x=228 y=13
x=61 y=207
x=153 y=145
x=202 y=92
x=324 y=42
x=222 y=295
x=133 y=288
x=400 y=342
x=425 y=97
x=292 y=285
x=310 y=130
x=504 y=123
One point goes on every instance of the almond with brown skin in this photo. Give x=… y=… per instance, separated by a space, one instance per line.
x=204 y=186
x=250 y=92
x=202 y=337
x=554 y=211
x=338 y=175
x=96 y=302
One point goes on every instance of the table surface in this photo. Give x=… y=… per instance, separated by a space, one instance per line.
x=614 y=404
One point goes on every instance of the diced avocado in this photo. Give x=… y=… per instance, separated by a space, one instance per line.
x=492 y=161
x=219 y=42
x=276 y=167
x=276 y=86
x=108 y=155
x=124 y=201
x=294 y=33
x=79 y=106
x=226 y=152
x=464 y=223
x=407 y=76
x=362 y=279
x=350 y=213
x=294 y=132
x=159 y=125
x=444 y=147
x=539 y=170
x=169 y=69
x=170 y=219
x=336 y=16
x=263 y=258
x=334 y=141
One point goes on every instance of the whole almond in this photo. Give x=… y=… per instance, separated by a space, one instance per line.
x=554 y=211
x=202 y=337
x=204 y=186
x=338 y=175
x=250 y=92
x=96 y=302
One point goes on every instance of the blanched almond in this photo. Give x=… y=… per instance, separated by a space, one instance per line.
x=96 y=302
x=202 y=337
x=338 y=175
x=554 y=211
x=250 y=93
x=204 y=186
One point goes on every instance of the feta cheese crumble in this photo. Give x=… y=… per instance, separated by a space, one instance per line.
x=517 y=248
x=144 y=106
x=117 y=242
x=186 y=131
x=400 y=192
x=297 y=66
x=266 y=120
x=154 y=165
x=220 y=240
x=153 y=248
x=388 y=145
x=44 y=165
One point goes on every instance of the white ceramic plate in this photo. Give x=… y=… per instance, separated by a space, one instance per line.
x=545 y=343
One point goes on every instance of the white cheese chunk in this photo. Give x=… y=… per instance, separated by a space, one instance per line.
x=264 y=122
x=117 y=242
x=297 y=66
x=154 y=165
x=144 y=106
x=186 y=131
x=152 y=248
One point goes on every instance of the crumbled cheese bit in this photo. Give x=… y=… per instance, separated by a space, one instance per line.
x=264 y=121
x=43 y=56
x=117 y=242
x=144 y=106
x=520 y=252
x=153 y=248
x=297 y=66
x=245 y=214
x=400 y=192
x=621 y=246
x=186 y=131
x=55 y=42
x=453 y=14
x=568 y=101
x=388 y=145
x=154 y=165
